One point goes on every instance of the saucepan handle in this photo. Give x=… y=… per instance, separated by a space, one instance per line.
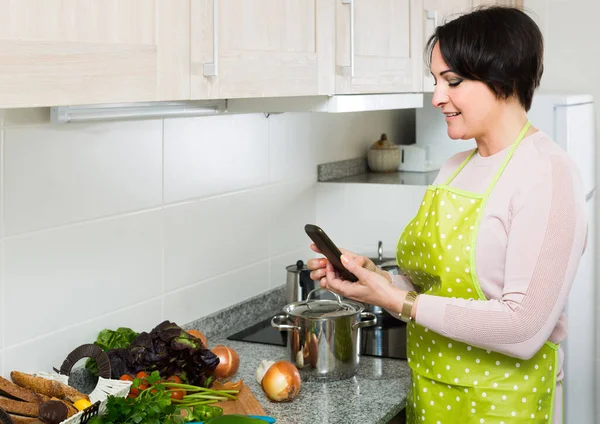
x=277 y=320
x=367 y=319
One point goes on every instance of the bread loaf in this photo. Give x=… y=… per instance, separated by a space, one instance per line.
x=29 y=409
x=21 y=393
x=47 y=387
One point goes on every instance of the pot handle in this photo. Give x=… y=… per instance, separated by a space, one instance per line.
x=276 y=322
x=371 y=321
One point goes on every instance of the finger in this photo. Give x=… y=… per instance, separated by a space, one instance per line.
x=315 y=248
x=317 y=274
x=323 y=282
x=336 y=284
x=316 y=263
x=348 y=253
x=355 y=266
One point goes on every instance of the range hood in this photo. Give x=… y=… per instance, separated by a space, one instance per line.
x=328 y=104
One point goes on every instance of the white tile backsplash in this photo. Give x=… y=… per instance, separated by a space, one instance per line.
x=63 y=276
x=217 y=293
x=180 y=217
x=49 y=351
x=212 y=155
x=56 y=175
x=293 y=153
x=213 y=236
x=291 y=206
x=358 y=216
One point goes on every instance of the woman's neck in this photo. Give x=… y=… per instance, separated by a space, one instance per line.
x=503 y=130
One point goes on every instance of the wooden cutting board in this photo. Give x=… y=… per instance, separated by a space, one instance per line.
x=246 y=404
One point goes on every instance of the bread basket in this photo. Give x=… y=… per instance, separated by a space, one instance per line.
x=98 y=397
x=105 y=386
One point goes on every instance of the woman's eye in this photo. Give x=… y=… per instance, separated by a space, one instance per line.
x=454 y=83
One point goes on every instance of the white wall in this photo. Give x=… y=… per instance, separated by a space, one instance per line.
x=130 y=223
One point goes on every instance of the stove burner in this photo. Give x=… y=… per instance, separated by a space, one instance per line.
x=387 y=339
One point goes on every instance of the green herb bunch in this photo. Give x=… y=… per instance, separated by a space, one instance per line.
x=154 y=405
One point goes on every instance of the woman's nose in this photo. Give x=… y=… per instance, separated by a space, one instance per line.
x=440 y=98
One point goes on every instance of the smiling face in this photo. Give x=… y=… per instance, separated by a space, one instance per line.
x=470 y=106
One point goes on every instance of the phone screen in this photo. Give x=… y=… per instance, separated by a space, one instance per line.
x=329 y=249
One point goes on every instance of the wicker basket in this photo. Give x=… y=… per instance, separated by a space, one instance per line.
x=98 y=397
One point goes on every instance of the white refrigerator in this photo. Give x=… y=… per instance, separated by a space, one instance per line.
x=570 y=121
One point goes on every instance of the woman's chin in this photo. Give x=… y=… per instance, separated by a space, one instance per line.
x=456 y=134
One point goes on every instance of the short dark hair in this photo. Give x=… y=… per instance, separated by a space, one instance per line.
x=500 y=46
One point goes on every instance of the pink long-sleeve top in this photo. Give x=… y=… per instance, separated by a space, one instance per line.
x=532 y=235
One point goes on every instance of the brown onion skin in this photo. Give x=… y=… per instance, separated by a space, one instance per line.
x=229 y=361
x=271 y=382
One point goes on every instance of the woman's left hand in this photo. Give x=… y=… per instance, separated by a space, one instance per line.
x=371 y=287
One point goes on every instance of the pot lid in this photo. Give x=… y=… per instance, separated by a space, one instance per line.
x=323 y=308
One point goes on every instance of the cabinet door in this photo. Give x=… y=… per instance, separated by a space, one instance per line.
x=438 y=12
x=261 y=48
x=378 y=46
x=57 y=52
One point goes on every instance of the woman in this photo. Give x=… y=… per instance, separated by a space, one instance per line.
x=490 y=257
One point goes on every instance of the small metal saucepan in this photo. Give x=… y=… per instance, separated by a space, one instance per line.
x=324 y=336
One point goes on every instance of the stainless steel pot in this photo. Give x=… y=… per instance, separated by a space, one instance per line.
x=324 y=336
x=298 y=282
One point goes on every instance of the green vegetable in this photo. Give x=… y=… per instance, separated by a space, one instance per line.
x=196 y=395
x=203 y=413
x=154 y=405
x=151 y=406
x=235 y=419
x=168 y=349
x=109 y=339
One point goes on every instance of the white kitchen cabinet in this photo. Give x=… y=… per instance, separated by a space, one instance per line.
x=57 y=52
x=261 y=48
x=378 y=46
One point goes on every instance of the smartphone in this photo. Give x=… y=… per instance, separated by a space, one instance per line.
x=329 y=249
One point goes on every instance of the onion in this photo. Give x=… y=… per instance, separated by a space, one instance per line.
x=281 y=382
x=229 y=361
x=199 y=335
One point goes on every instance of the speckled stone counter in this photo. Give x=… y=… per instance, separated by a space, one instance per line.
x=402 y=178
x=375 y=395
x=356 y=171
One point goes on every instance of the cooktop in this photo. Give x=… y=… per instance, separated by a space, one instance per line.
x=387 y=339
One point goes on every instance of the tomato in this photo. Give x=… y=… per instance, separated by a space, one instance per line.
x=177 y=394
x=143 y=383
x=174 y=379
x=133 y=392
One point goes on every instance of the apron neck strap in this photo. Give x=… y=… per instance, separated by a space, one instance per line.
x=508 y=157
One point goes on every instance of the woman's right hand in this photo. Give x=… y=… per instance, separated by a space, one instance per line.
x=318 y=265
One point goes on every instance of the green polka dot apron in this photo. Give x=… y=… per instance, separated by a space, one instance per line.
x=453 y=382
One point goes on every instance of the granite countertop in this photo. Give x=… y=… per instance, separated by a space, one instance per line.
x=400 y=177
x=356 y=171
x=375 y=395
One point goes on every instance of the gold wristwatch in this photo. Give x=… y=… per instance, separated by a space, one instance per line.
x=407 y=306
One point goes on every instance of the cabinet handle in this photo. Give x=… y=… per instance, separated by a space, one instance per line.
x=212 y=69
x=348 y=71
x=431 y=14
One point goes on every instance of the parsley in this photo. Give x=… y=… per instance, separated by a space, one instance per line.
x=151 y=406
